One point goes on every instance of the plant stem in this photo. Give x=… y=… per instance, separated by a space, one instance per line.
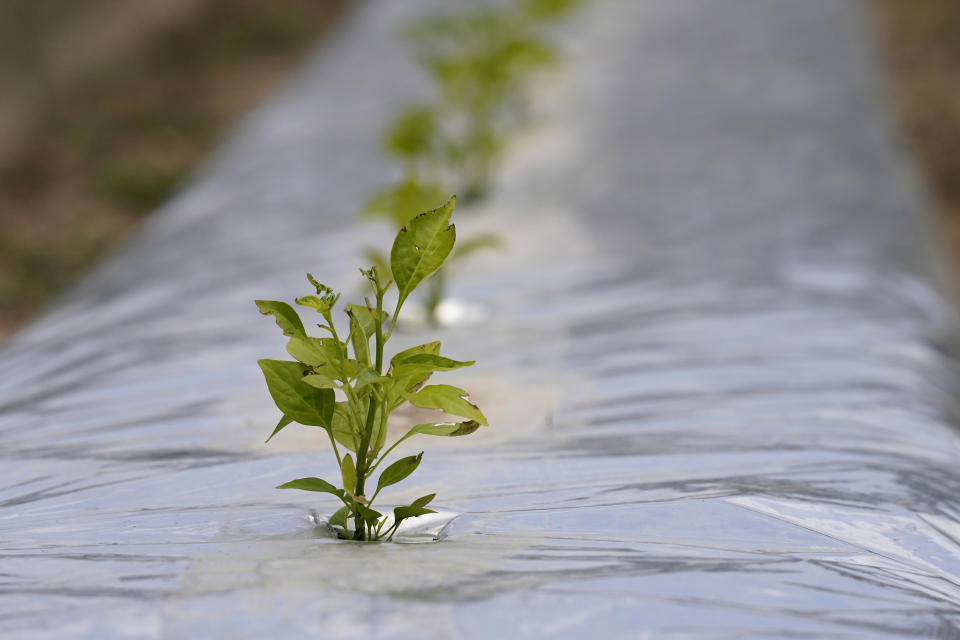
x=387 y=452
x=392 y=530
x=371 y=415
x=379 y=321
x=347 y=387
x=333 y=442
x=362 y=462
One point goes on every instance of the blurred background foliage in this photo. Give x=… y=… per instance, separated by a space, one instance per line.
x=107 y=106
x=482 y=59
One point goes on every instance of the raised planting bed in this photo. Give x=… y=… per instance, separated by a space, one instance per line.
x=717 y=375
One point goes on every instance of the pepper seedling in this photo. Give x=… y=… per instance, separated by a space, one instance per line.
x=307 y=388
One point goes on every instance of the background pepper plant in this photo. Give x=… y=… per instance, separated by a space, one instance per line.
x=481 y=62
x=306 y=389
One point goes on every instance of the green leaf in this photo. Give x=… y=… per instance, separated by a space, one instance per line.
x=434 y=362
x=313 y=302
x=424 y=501
x=339 y=517
x=325 y=358
x=349 y=473
x=369 y=515
x=314 y=351
x=313 y=484
x=421 y=247
x=342 y=431
x=359 y=336
x=444 y=429
x=429 y=347
x=322 y=304
x=323 y=301
x=408 y=380
x=367 y=318
x=413 y=371
x=322 y=377
x=399 y=470
x=368 y=379
x=296 y=399
x=447 y=429
x=402 y=513
x=285 y=315
x=348 y=369
x=448 y=399
x=284 y=421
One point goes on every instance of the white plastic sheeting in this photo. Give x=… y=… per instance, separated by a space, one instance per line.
x=713 y=365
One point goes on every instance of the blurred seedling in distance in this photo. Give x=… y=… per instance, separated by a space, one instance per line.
x=481 y=63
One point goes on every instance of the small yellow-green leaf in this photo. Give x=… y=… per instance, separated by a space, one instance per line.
x=410 y=377
x=366 y=318
x=349 y=473
x=321 y=377
x=444 y=429
x=434 y=362
x=399 y=470
x=285 y=316
x=423 y=501
x=408 y=380
x=342 y=431
x=369 y=515
x=429 y=347
x=313 y=484
x=359 y=338
x=368 y=379
x=348 y=369
x=325 y=357
x=448 y=399
x=322 y=304
x=421 y=247
x=314 y=351
x=284 y=421
x=339 y=517
x=412 y=371
x=402 y=513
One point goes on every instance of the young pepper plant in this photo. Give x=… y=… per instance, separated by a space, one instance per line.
x=307 y=388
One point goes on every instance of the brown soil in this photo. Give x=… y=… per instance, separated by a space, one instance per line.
x=921 y=43
x=112 y=105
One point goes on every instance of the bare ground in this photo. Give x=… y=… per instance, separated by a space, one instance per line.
x=108 y=106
